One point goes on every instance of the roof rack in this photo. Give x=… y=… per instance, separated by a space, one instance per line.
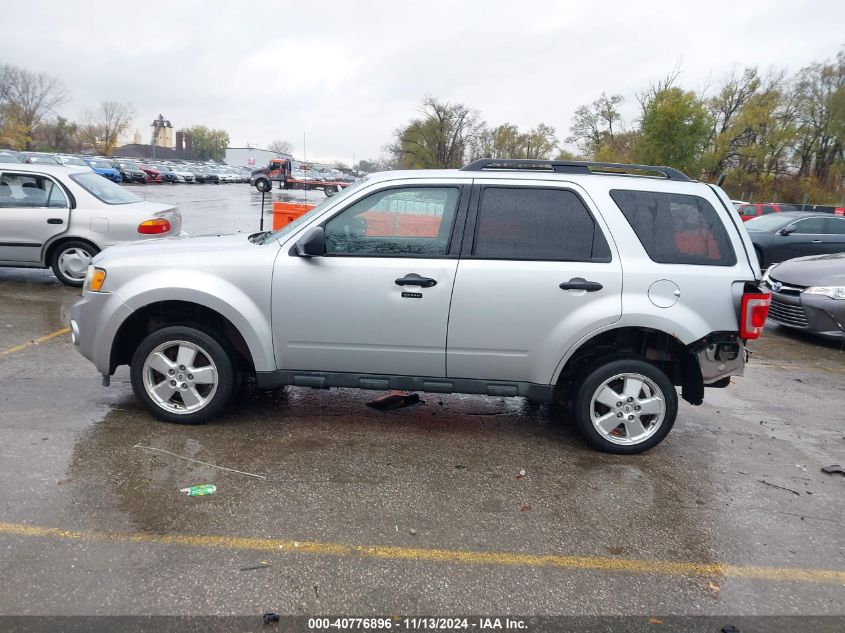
x=571 y=167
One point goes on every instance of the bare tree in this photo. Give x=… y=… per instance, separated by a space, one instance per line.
x=281 y=147
x=592 y=125
x=30 y=95
x=442 y=137
x=103 y=127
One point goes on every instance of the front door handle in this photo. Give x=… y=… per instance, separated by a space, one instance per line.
x=55 y=221
x=817 y=241
x=580 y=284
x=413 y=279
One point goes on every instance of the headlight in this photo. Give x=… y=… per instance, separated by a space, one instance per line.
x=768 y=272
x=834 y=292
x=94 y=279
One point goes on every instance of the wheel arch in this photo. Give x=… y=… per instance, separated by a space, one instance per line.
x=62 y=238
x=664 y=350
x=159 y=314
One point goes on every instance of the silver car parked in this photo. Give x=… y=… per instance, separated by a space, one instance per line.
x=542 y=279
x=60 y=217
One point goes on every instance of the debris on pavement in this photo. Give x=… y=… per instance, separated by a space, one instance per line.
x=394 y=400
x=196 y=461
x=729 y=628
x=270 y=618
x=521 y=474
x=833 y=468
x=199 y=491
x=412 y=531
x=714 y=587
x=795 y=492
x=263 y=564
x=525 y=508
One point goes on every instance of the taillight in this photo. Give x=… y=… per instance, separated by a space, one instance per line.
x=753 y=313
x=154 y=227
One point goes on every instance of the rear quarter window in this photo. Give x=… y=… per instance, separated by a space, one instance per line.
x=676 y=228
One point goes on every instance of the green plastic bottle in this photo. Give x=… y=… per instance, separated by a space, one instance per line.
x=200 y=491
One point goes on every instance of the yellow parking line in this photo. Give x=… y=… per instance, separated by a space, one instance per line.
x=41 y=339
x=583 y=563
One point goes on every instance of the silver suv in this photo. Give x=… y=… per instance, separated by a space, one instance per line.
x=602 y=285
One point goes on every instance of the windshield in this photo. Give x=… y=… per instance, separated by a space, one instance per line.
x=104 y=190
x=100 y=164
x=73 y=160
x=289 y=228
x=767 y=222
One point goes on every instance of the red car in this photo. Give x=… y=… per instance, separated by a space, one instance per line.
x=153 y=174
x=755 y=209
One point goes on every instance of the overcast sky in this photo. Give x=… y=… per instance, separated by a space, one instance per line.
x=349 y=73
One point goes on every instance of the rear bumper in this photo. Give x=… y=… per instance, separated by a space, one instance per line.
x=720 y=355
x=94 y=322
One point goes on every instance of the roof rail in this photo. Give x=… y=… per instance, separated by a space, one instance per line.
x=571 y=167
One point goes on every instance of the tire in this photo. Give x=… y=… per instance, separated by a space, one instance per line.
x=330 y=191
x=193 y=400
x=70 y=261
x=646 y=385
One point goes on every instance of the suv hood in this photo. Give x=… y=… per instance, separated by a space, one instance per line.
x=815 y=270
x=183 y=249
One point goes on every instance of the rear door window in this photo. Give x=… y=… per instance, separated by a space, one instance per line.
x=767 y=209
x=536 y=224
x=676 y=228
x=835 y=226
x=748 y=210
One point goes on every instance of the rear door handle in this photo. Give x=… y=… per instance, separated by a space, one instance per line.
x=55 y=221
x=817 y=241
x=413 y=279
x=580 y=284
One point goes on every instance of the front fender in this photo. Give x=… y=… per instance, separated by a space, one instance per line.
x=249 y=316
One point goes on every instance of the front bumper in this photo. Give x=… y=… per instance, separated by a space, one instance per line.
x=94 y=322
x=810 y=313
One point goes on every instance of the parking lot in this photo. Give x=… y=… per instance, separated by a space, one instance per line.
x=325 y=505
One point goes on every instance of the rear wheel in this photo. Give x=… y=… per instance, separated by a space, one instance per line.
x=183 y=375
x=625 y=406
x=70 y=261
x=330 y=191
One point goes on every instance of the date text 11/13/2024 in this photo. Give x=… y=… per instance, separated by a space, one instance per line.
x=418 y=624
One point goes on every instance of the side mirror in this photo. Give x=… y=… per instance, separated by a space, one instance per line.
x=312 y=244
x=787 y=230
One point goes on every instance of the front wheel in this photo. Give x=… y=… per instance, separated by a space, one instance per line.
x=263 y=185
x=182 y=375
x=625 y=407
x=330 y=190
x=70 y=262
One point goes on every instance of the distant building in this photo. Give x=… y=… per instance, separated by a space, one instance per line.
x=142 y=151
x=251 y=157
x=162 y=134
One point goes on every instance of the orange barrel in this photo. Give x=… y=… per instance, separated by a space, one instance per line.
x=286 y=212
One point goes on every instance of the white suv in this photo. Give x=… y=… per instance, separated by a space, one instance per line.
x=603 y=285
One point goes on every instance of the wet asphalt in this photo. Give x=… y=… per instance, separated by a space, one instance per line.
x=336 y=478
